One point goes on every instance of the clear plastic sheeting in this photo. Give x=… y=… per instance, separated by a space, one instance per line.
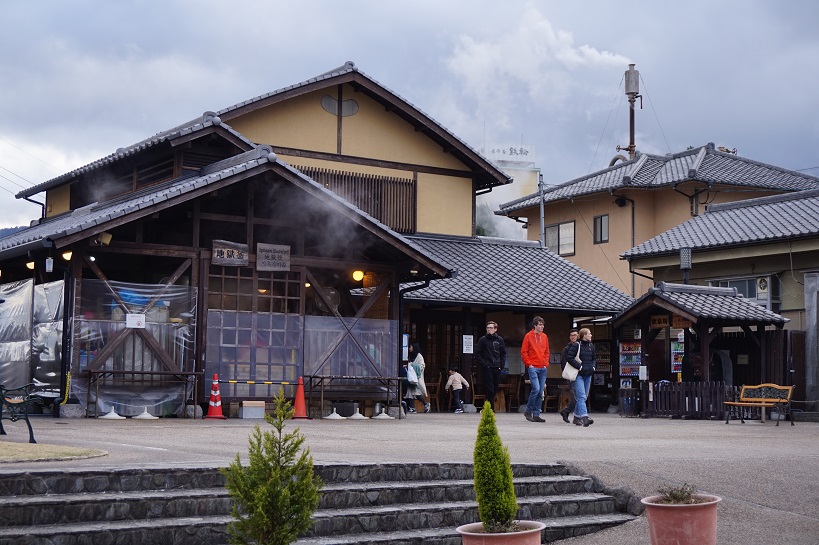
x=47 y=338
x=137 y=342
x=15 y=333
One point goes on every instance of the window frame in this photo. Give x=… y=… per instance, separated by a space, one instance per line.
x=560 y=242
x=598 y=228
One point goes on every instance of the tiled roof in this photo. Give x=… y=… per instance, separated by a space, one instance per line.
x=767 y=219
x=705 y=164
x=508 y=273
x=91 y=218
x=208 y=120
x=349 y=72
x=706 y=304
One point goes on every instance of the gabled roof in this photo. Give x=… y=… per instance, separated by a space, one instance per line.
x=705 y=164
x=702 y=304
x=788 y=216
x=204 y=124
x=89 y=220
x=350 y=74
x=512 y=273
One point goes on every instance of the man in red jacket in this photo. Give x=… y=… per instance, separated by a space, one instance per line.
x=535 y=355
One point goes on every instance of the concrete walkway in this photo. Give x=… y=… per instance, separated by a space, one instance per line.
x=768 y=476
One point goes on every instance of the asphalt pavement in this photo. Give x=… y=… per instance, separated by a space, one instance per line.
x=767 y=476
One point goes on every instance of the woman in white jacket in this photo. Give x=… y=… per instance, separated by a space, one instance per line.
x=419 y=389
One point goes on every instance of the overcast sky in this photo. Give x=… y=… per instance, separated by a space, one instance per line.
x=80 y=79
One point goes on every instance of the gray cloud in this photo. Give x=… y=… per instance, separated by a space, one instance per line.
x=81 y=79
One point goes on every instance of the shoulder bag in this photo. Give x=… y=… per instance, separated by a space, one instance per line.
x=570 y=371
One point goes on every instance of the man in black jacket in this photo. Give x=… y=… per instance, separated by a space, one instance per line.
x=491 y=354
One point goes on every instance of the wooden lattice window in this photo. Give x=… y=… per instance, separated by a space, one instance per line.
x=389 y=199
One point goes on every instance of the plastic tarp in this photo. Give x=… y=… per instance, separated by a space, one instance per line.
x=165 y=314
x=15 y=333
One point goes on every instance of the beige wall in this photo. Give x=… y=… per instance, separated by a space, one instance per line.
x=58 y=200
x=300 y=123
x=655 y=211
x=444 y=205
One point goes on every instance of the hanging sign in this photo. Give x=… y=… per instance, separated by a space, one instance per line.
x=468 y=344
x=659 y=321
x=270 y=257
x=232 y=254
x=135 y=321
x=678 y=322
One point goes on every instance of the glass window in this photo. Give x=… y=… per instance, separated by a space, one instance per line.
x=601 y=229
x=560 y=238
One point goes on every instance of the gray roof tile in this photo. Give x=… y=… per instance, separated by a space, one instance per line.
x=96 y=214
x=703 y=164
x=508 y=273
x=710 y=304
x=752 y=221
x=206 y=121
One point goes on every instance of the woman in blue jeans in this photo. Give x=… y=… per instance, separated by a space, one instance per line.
x=585 y=350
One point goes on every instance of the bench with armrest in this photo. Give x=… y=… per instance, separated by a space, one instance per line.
x=16 y=402
x=763 y=396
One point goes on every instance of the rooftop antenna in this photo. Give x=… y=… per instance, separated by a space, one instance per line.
x=632 y=92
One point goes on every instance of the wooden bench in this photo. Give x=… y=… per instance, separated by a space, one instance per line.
x=763 y=396
x=17 y=402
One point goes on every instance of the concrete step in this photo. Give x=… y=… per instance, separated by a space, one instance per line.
x=556 y=529
x=372 y=503
x=178 y=531
x=414 y=516
x=152 y=504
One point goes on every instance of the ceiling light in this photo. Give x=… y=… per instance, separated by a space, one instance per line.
x=358 y=276
x=67 y=255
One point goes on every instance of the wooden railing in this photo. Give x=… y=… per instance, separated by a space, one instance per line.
x=686 y=399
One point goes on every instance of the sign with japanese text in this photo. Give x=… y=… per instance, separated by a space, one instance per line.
x=229 y=253
x=468 y=344
x=270 y=257
x=659 y=321
x=678 y=322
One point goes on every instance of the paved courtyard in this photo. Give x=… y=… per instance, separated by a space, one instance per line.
x=768 y=476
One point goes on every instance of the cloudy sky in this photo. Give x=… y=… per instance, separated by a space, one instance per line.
x=80 y=79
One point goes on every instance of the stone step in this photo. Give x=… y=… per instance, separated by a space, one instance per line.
x=151 y=504
x=556 y=529
x=178 y=531
x=412 y=516
x=339 y=495
x=372 y=473
x=76 y=481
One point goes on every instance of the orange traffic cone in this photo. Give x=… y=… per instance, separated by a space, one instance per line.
x=215 y=402
x=299 y=408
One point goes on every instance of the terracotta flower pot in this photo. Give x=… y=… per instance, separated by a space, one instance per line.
x=682 y=524
x=473 y=534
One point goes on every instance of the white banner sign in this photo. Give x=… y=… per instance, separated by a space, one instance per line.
x=270 y=257
x=468 y=344
x=135 y=321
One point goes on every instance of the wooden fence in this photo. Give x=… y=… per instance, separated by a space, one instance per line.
x=701 y=400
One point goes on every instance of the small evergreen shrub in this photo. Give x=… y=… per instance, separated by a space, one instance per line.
x=494 y=488
x=275 y=495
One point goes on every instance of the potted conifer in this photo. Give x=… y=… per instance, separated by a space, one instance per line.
x=275 y=495
x=679 y=516
x=495 y=493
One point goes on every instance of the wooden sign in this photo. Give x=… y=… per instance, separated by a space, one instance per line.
x=232 y=254
x=659 y=321
x=678 y=322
